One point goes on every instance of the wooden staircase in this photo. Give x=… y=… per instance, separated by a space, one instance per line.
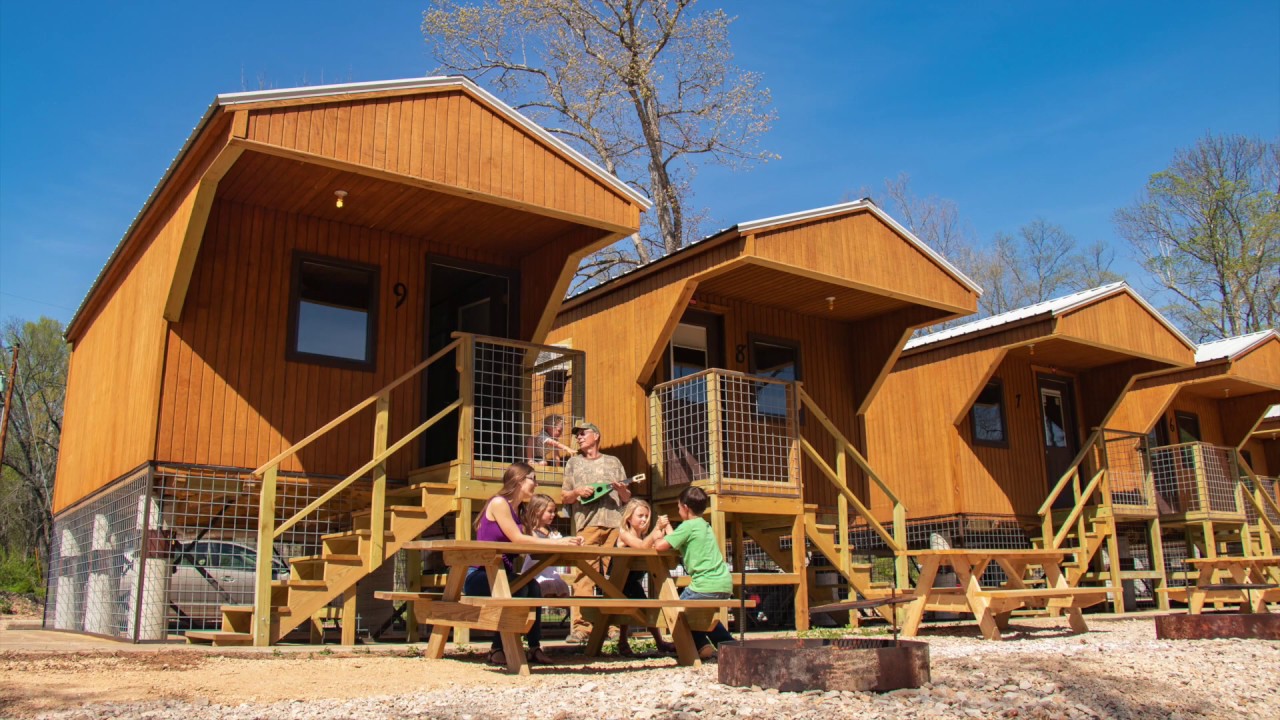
x=826 y=539
x=315 y=581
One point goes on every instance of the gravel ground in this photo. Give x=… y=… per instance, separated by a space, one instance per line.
x=1117 y=670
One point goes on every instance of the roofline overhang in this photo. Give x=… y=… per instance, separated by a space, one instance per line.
x=337 y=91
x=1049 y=314
x=743 y=229
x=1263 y=337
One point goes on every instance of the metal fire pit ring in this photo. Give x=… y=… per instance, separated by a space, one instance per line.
x=1211 y=626
x=796 y=665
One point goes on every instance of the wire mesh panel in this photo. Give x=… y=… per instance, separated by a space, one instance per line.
x=1196 y=477
x=525 y=399
x=1270 y=486
x=91 y=556
x=952 y=532
x=680 y=439
x=736 y=430
x=1128 y=470
x=163 y=552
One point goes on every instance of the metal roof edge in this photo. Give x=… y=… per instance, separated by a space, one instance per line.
x=1263 y=336
x=435 y=82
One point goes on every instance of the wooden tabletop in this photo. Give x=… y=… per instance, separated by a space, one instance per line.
x=1255 y=560
x=507 y=548
x=985 y=552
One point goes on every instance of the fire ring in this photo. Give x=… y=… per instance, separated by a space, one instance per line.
x=796 y=665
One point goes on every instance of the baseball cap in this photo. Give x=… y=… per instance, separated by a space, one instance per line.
x=584 y=425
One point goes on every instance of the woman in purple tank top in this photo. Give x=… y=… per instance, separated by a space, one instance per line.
x=499 y=521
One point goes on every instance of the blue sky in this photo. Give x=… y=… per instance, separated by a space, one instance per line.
x=1013 y=110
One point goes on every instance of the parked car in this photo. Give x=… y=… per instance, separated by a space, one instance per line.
x=206 y=574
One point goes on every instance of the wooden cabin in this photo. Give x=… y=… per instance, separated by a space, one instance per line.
x=985 y=429
x=745 y=363
x=331 y=292
x=1196 y=443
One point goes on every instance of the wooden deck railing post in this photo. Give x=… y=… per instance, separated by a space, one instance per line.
x=715 y=466
x=378 y=504
x=264 y=568
x=657 y=443
x=465 y=364
x=900 y=535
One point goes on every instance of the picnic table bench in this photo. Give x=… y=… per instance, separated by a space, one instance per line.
x=1253 y=583
x=992 y=606
x=512 y=616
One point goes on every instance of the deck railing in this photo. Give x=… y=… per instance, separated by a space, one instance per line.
x=1197 y=478
x=1261 y=495
x=506 y=390
x=726 y=430
x=1112 y=469
x=846 y=499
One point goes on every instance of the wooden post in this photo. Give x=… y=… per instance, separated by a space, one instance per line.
x=739 y=569
x=1157 y=558
x=378 y=508
x=842 y=519
x=349 y=617
x=1113 y=540
x=462 y=531
x=798 y=567
x=465 y=365
x=900 y=566
x=413 y=574
x=657 y=455
x=714 y=461
x=263 y=568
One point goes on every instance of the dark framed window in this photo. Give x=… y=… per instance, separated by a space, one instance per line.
x=778 y=359
x=987 y=416
x=333 y=312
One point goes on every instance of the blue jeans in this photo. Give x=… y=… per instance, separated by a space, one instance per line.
x=719 y=633
x=477 y=583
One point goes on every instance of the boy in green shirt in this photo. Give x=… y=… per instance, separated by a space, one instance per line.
x=700 y=554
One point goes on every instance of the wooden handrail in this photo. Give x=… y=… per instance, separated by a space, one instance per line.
x=845 y=445
x=1268 y=501
x=848 y=495
x=1078 y=508
x=298 y=446
x=1073 y=468
x=377 y=459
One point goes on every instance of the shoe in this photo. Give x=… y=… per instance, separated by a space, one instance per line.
x=539 y=656
x=577 y=637
x=497 y=657
x=625 y=650
x=707 y=652
x=666 y=648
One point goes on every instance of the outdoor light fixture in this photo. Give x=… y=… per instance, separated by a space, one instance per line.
x=831 y=302
x=340 y=194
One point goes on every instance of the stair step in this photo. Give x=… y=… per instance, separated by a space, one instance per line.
x=234 y=609
x=355 y=533
x=217 y=637
x=416 y=489
x=398 y=509
x=821 y=527
x=307 y=584
x=330 y=558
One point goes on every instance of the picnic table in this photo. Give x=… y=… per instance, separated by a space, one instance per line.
x=992 y=606
x=1252 y=584
x=512 y=616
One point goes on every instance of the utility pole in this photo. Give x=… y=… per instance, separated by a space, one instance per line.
x=8 y=398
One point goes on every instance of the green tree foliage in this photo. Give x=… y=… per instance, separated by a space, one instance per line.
x=35 y=431
x=646 y=87
x=1207 y=228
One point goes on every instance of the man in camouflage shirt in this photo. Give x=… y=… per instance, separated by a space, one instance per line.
x=596 y=523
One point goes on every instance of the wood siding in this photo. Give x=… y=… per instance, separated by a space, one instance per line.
x=448 y=138
x=861 y=250
x=232 y=399
x=114 y=380
x=1121 y=323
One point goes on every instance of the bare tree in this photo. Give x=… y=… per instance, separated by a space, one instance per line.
x=1207 y=228
x=934 y=220
x=35 y=431
x=1039 y=263
x=647 y=87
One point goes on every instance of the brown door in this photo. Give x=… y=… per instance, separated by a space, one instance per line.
x=1058 y=429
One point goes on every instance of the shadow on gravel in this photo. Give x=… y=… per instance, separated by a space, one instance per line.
x=1133 y=694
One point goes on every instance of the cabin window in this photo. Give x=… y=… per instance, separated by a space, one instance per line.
x=333 y=314
x=777 y=359
x=989 y=426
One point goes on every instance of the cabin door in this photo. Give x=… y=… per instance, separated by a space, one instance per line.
x=696 y=345
x=474 y=300
x=1058 y=425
